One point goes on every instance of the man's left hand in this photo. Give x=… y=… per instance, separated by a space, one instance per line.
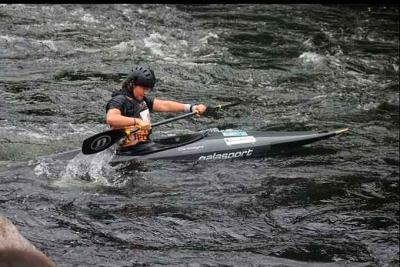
x=199 y=109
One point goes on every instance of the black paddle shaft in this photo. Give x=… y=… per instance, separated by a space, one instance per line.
x=104 y=140
x=173 y=119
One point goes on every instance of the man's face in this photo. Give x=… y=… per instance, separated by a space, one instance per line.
x=140 y=91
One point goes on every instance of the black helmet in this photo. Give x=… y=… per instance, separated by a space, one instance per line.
x=140 y=75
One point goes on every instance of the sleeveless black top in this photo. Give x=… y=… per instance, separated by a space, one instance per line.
x=128 y=105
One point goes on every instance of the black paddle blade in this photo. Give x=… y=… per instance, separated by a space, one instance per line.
x=226 y=105
x=101 y=141
x=214 y=111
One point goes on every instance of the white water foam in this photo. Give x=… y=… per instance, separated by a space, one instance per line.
x=368 y=106
x=209 y=36
x=42 y=169
x=87 y=50
x=11 y=38
x=89 y=18
x=125 y=46
x=311 y=58
x=20 y=44
x=84 y=170
x=155 y=43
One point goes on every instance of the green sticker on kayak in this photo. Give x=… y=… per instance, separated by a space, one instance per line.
x=234 y=133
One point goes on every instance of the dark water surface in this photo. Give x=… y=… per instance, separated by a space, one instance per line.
x=295 y=67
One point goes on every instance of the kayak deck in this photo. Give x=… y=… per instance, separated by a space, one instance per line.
x=159 y=145
x=220 y=145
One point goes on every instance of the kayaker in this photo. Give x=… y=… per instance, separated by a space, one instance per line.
x=130 y=107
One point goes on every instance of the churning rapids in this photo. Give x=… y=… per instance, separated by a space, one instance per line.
x=294 y=67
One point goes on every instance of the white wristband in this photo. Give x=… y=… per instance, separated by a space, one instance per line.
x=187 y=108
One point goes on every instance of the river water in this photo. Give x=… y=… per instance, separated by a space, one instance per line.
x=293 y=67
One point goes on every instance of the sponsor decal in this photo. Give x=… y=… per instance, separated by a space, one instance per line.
x=145 y=115
x=231 y=133
x=143 y=105
x=239 y=140
x=231 y=155
x=100 y=142
x=190 y=148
